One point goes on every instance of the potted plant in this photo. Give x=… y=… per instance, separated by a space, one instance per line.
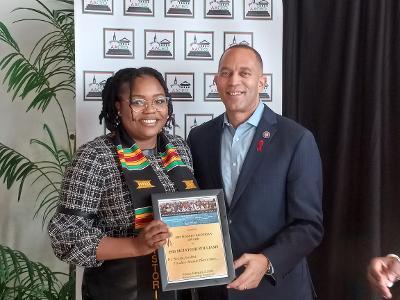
x=40 y=77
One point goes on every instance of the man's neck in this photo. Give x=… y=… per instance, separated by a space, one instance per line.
x=238 y=118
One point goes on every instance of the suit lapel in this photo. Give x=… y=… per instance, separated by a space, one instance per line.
x=214 y=151
x=255 y=153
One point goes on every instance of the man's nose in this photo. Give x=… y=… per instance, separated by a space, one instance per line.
x=234 y=79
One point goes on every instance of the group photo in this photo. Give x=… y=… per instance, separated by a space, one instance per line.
x=199 y=150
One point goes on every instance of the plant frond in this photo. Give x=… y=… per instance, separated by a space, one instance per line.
x=47 y=15
x=25 y=279
x=14 y=166
x=42 y=99
x=7 y=59
x=70 y=2
x=55 y=51
x=6 y=37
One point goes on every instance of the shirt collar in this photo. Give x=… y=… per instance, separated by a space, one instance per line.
x=254 y=118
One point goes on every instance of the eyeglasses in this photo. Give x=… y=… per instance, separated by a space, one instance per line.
x=159 y=103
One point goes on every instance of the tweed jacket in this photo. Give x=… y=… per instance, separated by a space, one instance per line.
x=95 y=190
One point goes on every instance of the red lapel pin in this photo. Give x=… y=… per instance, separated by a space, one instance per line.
x=260 y=145
x=266 y=134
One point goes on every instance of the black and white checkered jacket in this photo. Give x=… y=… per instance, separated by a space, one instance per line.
x=94 y=191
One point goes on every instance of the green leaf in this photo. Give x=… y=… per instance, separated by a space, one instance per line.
x=7 y=59
x=6 y=37
x=21 y=278
x=42 y=75
x=13 y=165
x=42 y=99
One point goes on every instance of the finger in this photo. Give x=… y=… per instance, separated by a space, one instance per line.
x=235 y=284
x=380 y=286
x=160 y=237
x=392 y=277
x=373 y=280
x=156 y=224
x=374 y=275
x=155 y=241
x=395 y=267
x=241 y=261
x=159 y=244
x=240 y=282
x=153 y=230
x=376 y=269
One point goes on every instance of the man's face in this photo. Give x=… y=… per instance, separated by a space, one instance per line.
x=239 y=81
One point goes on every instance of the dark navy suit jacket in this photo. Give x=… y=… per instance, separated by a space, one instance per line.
x=276 y=207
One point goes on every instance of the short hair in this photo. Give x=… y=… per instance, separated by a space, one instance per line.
x=243 y=46
x=110 y=94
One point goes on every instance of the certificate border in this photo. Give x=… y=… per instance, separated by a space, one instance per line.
x=225 y=232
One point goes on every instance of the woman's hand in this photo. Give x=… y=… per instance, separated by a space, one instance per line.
x=154 y=235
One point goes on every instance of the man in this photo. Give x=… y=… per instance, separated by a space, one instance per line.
x=382 y=273
x=270 y=170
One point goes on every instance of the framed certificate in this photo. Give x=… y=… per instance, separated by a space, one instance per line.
x=199 y=251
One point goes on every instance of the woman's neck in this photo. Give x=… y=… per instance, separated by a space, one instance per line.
x=147 y=144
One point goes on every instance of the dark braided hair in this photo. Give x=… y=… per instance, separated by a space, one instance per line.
x=110 y=94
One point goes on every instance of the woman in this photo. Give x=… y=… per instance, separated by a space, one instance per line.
x=104 y=221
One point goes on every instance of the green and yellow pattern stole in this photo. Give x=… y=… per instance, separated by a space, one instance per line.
x=143 y=180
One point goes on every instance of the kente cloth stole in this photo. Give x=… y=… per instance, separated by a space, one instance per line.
x=143 y=181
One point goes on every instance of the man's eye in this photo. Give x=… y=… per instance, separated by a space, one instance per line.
x=246 y=74
x=224 y=74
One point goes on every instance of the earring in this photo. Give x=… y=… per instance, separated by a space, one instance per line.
x=119 y=113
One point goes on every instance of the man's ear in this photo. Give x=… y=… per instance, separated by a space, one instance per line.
x=216 y=78
x=261 y=83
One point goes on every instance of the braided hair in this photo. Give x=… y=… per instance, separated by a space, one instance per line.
x=110 y=94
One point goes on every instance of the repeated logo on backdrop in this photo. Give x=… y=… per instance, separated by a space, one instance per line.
x=161 y=44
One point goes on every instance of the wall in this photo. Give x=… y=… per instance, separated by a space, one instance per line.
x=94 y=36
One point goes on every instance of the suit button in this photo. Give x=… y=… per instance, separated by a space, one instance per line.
x=230 y=221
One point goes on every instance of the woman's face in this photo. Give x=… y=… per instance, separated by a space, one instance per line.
x=146 y=114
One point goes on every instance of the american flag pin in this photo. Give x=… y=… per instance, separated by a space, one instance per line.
x=266 y=134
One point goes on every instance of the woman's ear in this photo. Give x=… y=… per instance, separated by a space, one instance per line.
x=118 y=106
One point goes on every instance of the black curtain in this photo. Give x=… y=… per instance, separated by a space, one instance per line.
x=341 y=79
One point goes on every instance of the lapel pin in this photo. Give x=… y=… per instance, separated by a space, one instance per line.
x=260 y=145
x=266 y=134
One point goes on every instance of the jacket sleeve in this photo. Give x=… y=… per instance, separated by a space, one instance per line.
x=72 y=236
x=184 y=151
x=304 y=208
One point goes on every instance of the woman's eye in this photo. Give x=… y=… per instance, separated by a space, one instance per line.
x=137 y=102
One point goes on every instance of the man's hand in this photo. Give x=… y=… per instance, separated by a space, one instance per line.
x=382 y=273
x=154 y=235
x=255 y=267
